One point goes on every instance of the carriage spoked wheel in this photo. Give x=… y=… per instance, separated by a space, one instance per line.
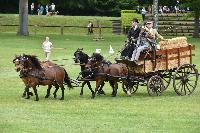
x=166 y=77
x=185 y=79
x=132 y=87
x=155 y=86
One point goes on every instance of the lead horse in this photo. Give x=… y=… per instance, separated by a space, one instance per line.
x=33 y=74
x=107 y=72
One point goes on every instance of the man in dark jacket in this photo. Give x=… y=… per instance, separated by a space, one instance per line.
x=133 y=35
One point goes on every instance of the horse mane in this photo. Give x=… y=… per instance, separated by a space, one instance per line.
x=97 y=56
x=35 y=61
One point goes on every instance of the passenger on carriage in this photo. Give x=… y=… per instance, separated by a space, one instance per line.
x=147 y=39
x=132 y=37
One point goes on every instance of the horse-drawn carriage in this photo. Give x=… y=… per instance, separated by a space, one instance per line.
x=158 y=68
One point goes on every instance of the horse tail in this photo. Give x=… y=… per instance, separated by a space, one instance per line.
x=67 y=80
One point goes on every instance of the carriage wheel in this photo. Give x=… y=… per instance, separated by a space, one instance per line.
x=185 y=79
x=155 y=86
x=166 y=77
x=132 y=87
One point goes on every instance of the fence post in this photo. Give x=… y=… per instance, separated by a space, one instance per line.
x=61 y=30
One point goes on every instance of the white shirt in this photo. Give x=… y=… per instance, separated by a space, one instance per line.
x=53 y=7
x=47 y=46
x=32 y=6
x=143 y=11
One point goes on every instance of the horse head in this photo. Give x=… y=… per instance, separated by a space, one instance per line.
x=18 y=63
x=94 y=61
x=80 y=56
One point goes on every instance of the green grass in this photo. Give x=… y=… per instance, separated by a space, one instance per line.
x=59 y=20
x=140 y=113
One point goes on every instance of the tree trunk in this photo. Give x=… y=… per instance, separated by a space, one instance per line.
x=23 y=18
x=196 y=24
x=155 y=13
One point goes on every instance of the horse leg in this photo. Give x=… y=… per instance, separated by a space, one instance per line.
x=27 y=96
x=63 y=91
x=36 y=95
x=89 y=86
x=113 y=86
x=48 y=91
x=98 y=83
x=24 y=93
x=115 y=89
x=28 y=93
x=57 y=87
x=83 y=84
x=101 y=91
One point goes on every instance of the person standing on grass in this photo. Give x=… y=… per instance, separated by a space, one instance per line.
x=47 y=9
x=143 y=12
x=32 y=8
x=53 y=7
x=47 y=46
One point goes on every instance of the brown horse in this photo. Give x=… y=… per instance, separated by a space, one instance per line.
x=33 y=74
x=107 y=72
x=82 y=58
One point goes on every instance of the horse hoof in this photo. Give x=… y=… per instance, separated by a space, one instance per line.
x=47 y=96
x=36 y=99
x=81 y=94
x=55 y=96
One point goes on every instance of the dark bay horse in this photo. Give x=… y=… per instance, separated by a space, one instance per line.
x=82 y=58
x=32 y=73
x=107 y=72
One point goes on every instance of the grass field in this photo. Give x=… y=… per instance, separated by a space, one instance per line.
x=141 y=113
x=59 y=20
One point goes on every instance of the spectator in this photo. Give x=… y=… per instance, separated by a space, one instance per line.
x=38 y=9
x=47 y=46
x=143 y=12
x=138 y=9
x=53 y=7
x=41 y=10
x=47 y=9
x=90 y=28
x=177 y=6
x=160 y=10
x=32 y=8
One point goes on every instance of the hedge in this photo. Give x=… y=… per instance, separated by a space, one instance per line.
x=127 y=16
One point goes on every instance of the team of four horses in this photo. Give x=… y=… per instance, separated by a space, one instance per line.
x=34 y=73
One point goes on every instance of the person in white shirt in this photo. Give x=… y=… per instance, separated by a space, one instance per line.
x=53 y=7
x=143 y=12
x=32 y=8
x=47 y=46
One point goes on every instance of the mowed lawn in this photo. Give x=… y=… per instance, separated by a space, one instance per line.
x=105 y=114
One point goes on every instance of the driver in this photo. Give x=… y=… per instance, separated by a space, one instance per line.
x=132 y=37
